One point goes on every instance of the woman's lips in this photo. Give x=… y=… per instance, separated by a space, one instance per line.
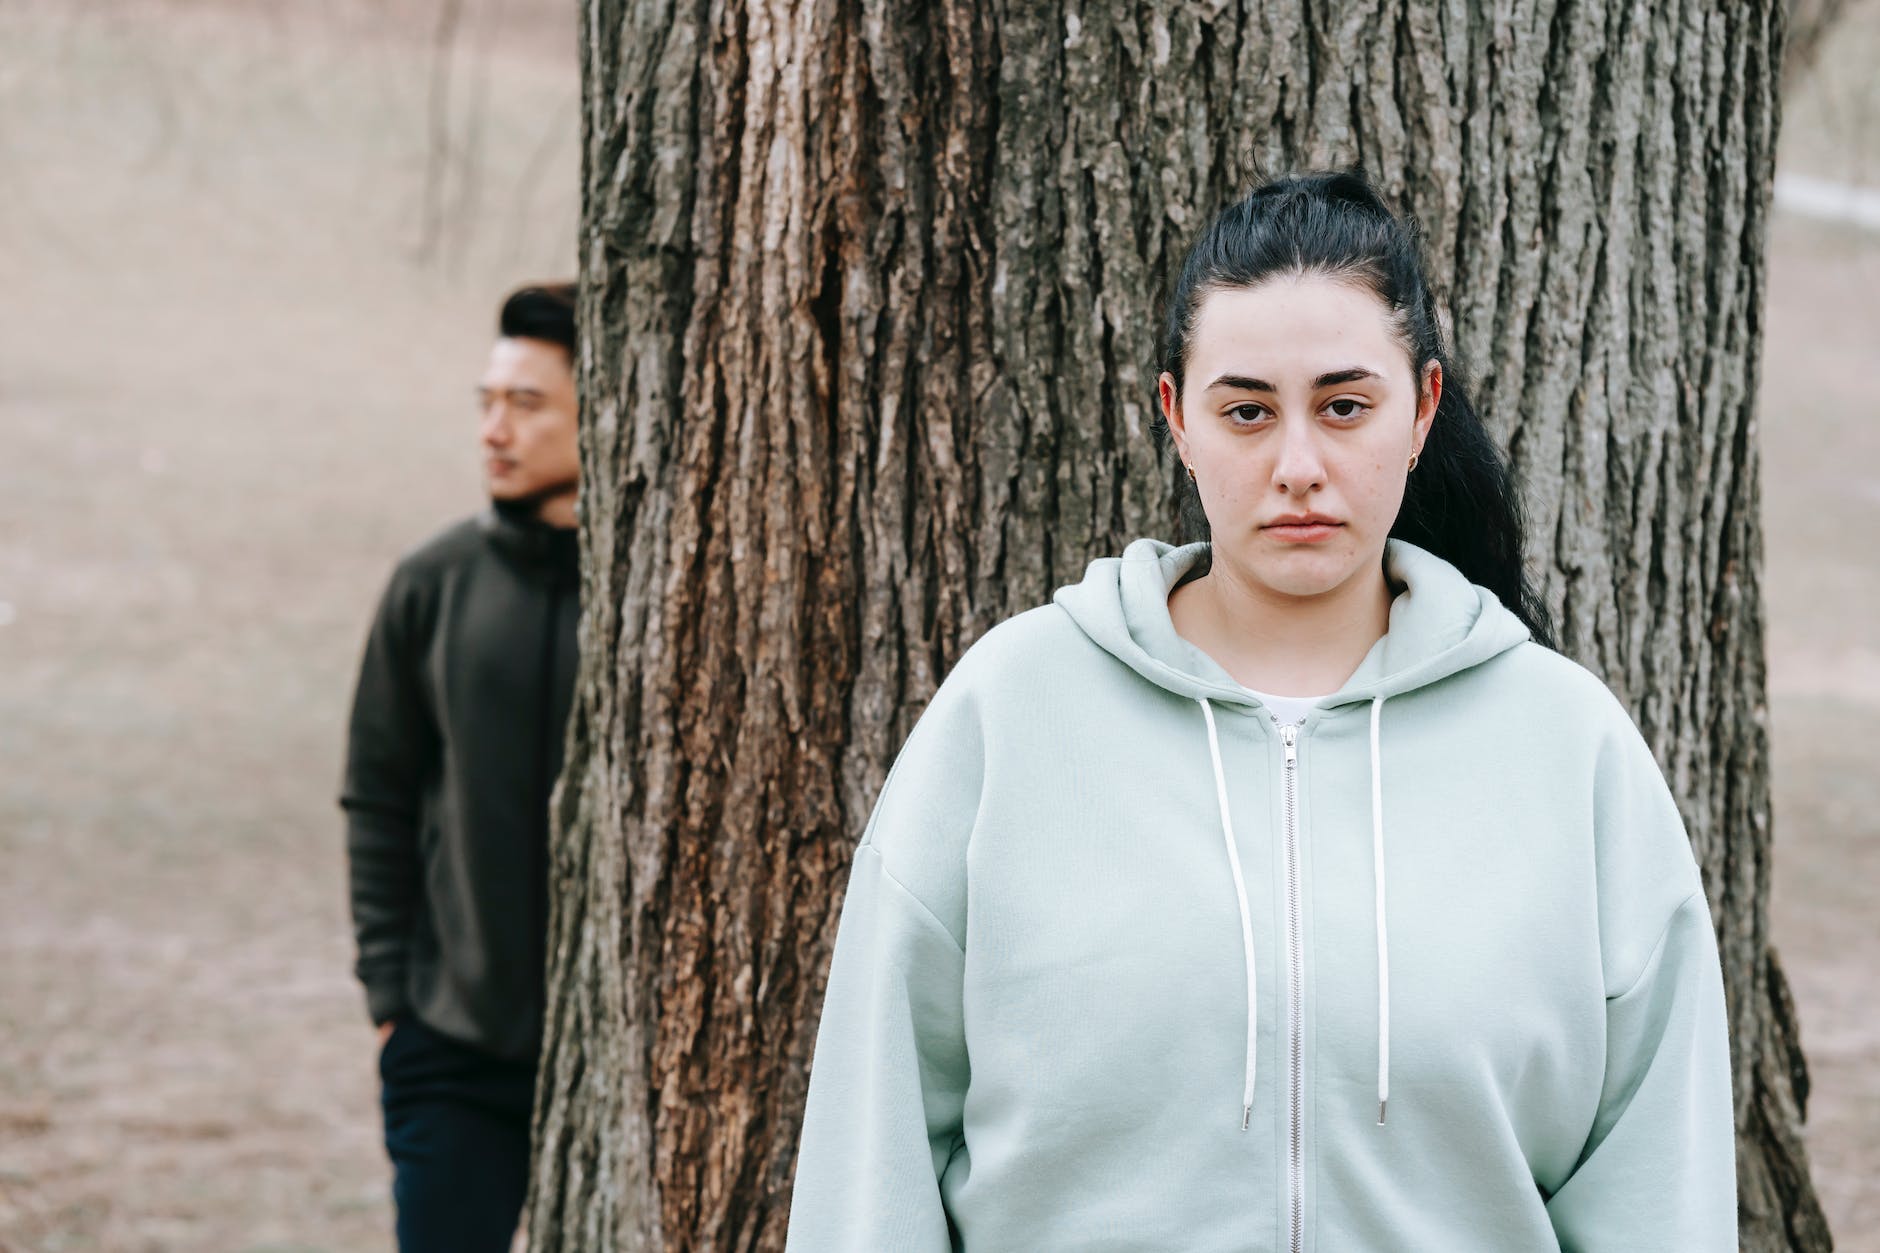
x=1302 y=532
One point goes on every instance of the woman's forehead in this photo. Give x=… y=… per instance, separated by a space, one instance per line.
x=1291 y=329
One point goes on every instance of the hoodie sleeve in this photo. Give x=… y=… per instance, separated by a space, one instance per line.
x=390 y=747
x=1658 y=1170
x=888 y=1082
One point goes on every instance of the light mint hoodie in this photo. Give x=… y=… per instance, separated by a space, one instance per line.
x=1121 y=969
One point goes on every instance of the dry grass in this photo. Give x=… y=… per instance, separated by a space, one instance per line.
x=230 y=396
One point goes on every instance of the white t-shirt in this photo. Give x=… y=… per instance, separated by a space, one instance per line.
x=1288 y=711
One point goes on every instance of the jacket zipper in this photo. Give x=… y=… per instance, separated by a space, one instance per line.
x=1295 y=997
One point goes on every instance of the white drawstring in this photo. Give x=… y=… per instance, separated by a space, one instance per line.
x=1246 y=920
x=1383 y=935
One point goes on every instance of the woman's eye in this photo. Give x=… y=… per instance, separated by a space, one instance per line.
x=1345 y=407
x=1246 y=415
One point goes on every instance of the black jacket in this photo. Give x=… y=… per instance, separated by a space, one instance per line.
x=455 y=742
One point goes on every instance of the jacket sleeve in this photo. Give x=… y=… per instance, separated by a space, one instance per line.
x=390 y=749
x=1658 y=1170
x=888 y=1083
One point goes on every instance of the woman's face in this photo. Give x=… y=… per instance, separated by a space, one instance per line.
x=1299 y=417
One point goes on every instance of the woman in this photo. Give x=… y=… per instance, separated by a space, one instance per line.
x=1139 y=955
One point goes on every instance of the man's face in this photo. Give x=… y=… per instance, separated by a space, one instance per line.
x=528 y=431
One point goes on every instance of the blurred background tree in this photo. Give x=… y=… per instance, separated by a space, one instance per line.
x=869 y=310
x=1809 y=22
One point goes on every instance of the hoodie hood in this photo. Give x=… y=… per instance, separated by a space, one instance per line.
x=1440 y=624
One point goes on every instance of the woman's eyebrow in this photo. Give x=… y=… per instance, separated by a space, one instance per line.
x=1331 y=378
x=1241 y=383
x=1350 y=375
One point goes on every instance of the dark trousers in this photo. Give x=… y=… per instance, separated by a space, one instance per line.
x=457 y=1131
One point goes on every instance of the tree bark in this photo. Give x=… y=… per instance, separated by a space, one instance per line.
x=870 y=293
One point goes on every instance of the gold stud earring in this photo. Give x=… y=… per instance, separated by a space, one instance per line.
x=1191 y=475
x=1413 y=460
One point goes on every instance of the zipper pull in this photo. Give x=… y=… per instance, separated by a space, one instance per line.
x=1289 y=736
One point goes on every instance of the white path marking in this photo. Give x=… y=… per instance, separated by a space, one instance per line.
x=1835 y=202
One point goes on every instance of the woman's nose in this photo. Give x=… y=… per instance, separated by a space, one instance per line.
x=1300 y=467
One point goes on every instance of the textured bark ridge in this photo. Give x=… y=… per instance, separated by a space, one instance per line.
x=868 y=317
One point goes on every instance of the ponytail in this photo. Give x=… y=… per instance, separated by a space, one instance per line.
x=1460 y=503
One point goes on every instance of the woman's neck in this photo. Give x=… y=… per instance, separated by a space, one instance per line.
x=1285 y=645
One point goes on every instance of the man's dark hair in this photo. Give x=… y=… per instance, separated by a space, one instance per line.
x=543 y=311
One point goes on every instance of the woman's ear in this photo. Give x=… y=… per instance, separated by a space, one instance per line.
x=1170 y=397
x=1429 y=398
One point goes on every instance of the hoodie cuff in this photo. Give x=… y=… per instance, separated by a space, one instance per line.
x=385 y=997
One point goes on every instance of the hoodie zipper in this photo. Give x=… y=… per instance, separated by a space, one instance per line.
x=1295 y=998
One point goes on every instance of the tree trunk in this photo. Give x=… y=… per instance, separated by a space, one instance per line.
x=869 y=301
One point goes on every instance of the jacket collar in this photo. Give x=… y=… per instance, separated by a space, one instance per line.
x=545 y=552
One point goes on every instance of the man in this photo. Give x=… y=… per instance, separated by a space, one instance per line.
x=455 y=742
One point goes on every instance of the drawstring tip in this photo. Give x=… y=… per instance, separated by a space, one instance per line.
x=1380 y=1113
x=1246 y=1117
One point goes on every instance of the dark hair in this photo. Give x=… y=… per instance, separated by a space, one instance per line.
x=543 y=311
x=1460 y=503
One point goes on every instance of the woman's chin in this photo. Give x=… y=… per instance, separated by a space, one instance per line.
x=1301 y=570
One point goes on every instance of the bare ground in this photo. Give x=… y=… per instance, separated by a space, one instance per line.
x=230 y=393
x=1821 y=461
x=233 y=386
